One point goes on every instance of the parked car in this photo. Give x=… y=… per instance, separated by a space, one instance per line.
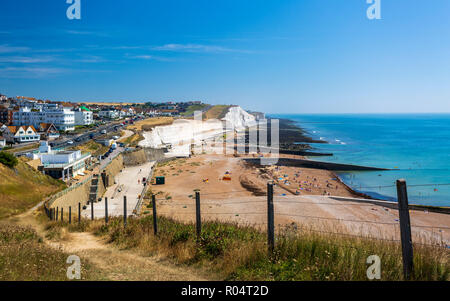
x=104 y=132
x=70 y=142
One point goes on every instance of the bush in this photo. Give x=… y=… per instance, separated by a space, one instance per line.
x=8 y=159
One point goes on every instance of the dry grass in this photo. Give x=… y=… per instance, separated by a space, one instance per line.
x=235 y=252
x=24 y=257
x=23 y=187
x=133 y=140
x=96 y=149
x=149 y=123
x=217 y=112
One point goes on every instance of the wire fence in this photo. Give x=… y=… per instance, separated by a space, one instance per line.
x=209 y=211
x=263 y=212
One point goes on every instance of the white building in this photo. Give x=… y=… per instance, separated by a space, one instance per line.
x=21 y=134
x=2 y=142
x=109 y=114
x=83 y=116
x=62 y=118
x=61 y=165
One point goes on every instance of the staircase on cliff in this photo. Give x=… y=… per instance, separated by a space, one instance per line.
x=93 y=189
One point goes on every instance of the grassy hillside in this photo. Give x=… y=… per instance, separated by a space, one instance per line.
x=23 y=187
x=149 y=123
x=217 y=112
x=240 y=253
x=24 y=257
x=95 y=148
x=191 y=109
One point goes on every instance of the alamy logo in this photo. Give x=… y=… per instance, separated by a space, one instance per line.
x=374 y=270
x=238 y=138
x=374 y=10
x=74 y=10
x=74 y=271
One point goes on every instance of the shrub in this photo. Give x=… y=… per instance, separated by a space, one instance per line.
x=8 y=159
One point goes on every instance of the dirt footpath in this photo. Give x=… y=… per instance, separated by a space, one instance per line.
x=109 y=262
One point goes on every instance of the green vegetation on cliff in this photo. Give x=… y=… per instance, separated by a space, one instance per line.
x=22 y=187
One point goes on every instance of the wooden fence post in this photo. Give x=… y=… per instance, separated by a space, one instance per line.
x=70 y=215
x=79 y=212
x=62 y=214
x=270 y=219
x=92 y=210
x=155 y=221
x=106 y=210
x=405 y=229
x=124 y=210
x=198 y=217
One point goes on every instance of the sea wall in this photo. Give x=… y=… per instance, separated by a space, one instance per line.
x=135 y=158
x=79 y=193
x=317 y=165
x=112 y=169
x=154 y=154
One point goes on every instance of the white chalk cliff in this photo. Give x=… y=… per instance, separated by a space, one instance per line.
x=183 y=132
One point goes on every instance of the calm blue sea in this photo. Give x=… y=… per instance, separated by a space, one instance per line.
x=416 y=147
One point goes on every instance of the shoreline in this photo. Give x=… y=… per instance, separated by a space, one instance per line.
x=355 y=192
x=303 y=141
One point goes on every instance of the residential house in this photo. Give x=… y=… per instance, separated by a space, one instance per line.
x=21 y=134
x=83 y=116
x=48 y=131
x=108 y=114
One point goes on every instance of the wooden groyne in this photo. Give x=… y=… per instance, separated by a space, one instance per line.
x=304 y=153
x=316 y=165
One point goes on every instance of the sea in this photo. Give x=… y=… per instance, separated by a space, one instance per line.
x=414 y=147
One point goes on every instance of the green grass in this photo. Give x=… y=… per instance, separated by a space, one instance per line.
x=23 y=187
x=240 y=253
x=191 y=109
x=24 y=257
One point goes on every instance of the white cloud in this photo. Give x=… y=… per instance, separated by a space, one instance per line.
x=91 y=59
x=192 y=48
x=19 y=72
x=25 y=60
x=148 y=57
x=5 y=48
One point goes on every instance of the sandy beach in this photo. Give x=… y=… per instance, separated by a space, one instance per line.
x=231 y=190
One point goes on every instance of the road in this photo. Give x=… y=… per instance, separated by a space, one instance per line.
x=77 y=139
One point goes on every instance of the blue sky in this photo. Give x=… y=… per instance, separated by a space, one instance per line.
x=278 y=56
